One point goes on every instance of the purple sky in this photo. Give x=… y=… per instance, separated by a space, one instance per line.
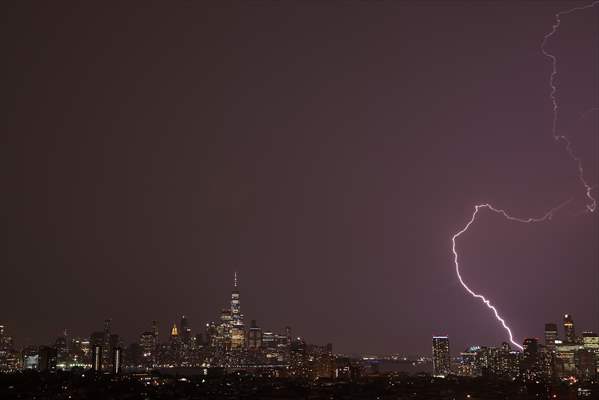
x=326 y=152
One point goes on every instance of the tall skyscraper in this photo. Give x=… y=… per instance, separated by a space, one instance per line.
x=223 y=335
x=185 y=331
x=175 y=346
x=117 y=360
x=530 y=364
x=5 y=339
x=550 y=336
x=237 y=326
x=98 y=348
x=147 y=341
x=441 y=358
x=97 y=358
x=254 y=337
x=569 y=332
x=212 y=334
x=106 y=345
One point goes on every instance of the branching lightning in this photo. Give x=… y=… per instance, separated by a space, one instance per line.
x=477 y=208
x=592 y=202
x=592 y=206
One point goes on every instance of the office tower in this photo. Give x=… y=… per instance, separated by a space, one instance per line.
x=85 y=349
x=590 y=341
x=175 y=339
x=509 y=361
x=530 y=365
x=565 y=359
x=100 y=345
x=147 y=341
x=299 y=359
x=8 y=361
x=211 y=334
x=468 y=362
x=585 y=364
x=569 y=332
x=275 y=347
x=223 y=335
x=174 y=351
x=97 y=357
x=237 y=326
x=254 y=337
x=550 y=336
x=46 y=359
x=31 y=357
x=185 y=331
x=5 y=339
x=62 y=349
x=103 y=339
x=323 y=364
x=117 y=360
x=441 y=358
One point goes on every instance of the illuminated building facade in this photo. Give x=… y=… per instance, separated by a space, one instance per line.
x=441 y=357
x=467 y=365
x=585 y=364
x=590 y=342
x=10 y=359
x=148 y=343
x=569 y=331
x=550 y=336
x=530 y=365
x=275 y=347
x=489 y=361
x=31 y=357
x=565 y=363
x=185 y=331
x=223 y=331
x=227 y=344
x=97 y=358
x=117 y=360
x=63 y=350
x=237 y=329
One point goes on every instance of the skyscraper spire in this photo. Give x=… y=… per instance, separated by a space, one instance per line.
x=237 y=327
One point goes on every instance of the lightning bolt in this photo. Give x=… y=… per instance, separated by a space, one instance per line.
x=592 y=202
x=592 y=206
x=487 y=302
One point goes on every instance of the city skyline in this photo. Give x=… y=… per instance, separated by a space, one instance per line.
x=327 y=153
x=229 y=331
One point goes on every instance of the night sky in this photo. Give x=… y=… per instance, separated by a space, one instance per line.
x=327 y=152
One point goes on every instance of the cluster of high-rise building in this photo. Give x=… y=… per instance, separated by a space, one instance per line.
x=231 y=344
x=566 y=357
x=9 y=357
x=226 y=343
